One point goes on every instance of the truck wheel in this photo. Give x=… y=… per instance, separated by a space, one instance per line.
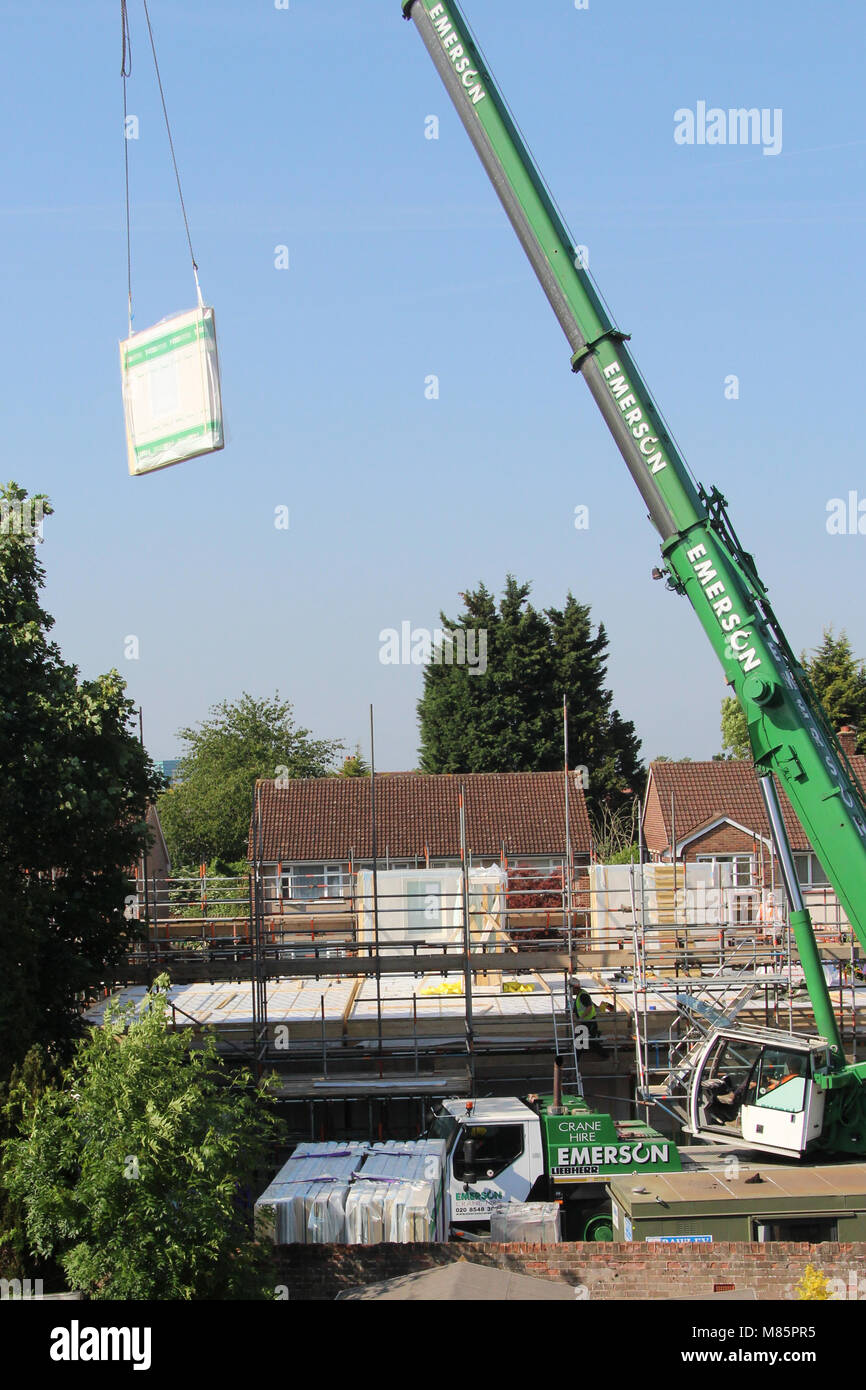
x=598 y=1228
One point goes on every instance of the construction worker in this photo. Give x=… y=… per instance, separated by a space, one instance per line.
x=771 y=918
x=585 y=1014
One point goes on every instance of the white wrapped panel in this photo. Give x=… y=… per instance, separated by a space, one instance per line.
x=533 y=1223
x=171 y=391
x=306 y=1202
x=399 y=1194
x=352 y=1193
x=387 y=1210
x=423 y=908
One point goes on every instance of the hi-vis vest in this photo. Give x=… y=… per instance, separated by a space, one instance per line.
x=584 y=1009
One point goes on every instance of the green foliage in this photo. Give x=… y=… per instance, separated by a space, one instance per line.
x=205 y=815
x=74 y=791
x=629 y=855
x=18 y=1097
x=356 y=765
x=839 y=681
x=226 y=890
x=735 y=730
x=130 y=1172
x=509 y=719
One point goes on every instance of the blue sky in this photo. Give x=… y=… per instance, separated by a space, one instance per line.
x=306 y=128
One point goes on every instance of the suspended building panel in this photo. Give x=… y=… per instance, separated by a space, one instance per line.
x=171 y=391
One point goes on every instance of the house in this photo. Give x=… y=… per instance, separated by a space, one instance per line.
x=713 y=813
x=312 y=835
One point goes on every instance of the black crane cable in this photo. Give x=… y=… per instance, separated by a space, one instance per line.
x=125 y=72
x=170 y=140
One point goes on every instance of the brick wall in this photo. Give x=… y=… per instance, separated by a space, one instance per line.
x=727 y=839
x=655 y=834
x=605 y=1271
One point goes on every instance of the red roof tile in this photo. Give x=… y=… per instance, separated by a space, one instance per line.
x=328 y=818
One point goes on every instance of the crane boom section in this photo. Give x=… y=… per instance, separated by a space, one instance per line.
x=704 y=560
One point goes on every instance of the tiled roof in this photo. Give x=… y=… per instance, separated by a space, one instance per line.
x=328 y=818
x=704 y=791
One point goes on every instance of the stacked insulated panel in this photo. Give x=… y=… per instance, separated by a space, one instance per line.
x=398 y=1194
x=306 y=1202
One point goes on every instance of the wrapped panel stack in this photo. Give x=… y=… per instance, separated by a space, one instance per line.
x=533 y=1223
x=306 y=1202
x=398 y=1194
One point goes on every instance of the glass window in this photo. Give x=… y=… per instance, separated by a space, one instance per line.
x=735 y=870
x=334 y=881
x=307 y=882
x=810 y=871
x=443 y=1127
x=494 y=1148
x=781 y=1081
x=728 y=1082
x=813 y=1231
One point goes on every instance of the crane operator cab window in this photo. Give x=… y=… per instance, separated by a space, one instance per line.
x=484 y=1151
x=781 y=1080
x=763 y=1093
x=728 y=1081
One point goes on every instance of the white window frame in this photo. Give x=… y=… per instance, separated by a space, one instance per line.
x=736 y=860
x=296 y=876
x=813 y=864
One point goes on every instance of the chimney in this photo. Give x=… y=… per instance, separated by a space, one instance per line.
x=848 y=738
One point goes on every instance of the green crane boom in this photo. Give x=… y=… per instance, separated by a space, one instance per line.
x=703 y=558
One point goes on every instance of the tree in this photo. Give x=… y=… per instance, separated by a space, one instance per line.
x=356 y=765
x=205 y=815
x=73 y=798
x=839 y=681
x=505 y=715
x=617 y=834
x=130 y=1172
x=18 y=1098
x=735 y=729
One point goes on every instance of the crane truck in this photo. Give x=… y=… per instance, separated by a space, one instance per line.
x=542 y=1149
x=783 y=1093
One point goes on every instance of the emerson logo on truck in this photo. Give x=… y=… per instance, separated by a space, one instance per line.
x=612 y=1154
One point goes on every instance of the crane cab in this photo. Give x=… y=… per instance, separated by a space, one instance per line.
x=756 y=1088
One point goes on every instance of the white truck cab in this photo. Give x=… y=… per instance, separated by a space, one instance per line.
x=495 y=1154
